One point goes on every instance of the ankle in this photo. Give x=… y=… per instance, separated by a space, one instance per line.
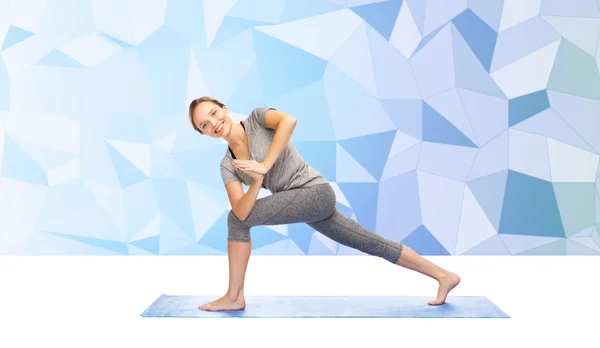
x=235 y=294
x=443 y=275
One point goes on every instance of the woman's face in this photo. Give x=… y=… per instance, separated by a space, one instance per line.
x=211 y=119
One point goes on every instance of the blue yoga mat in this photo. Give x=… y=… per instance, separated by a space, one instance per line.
x=330 y=307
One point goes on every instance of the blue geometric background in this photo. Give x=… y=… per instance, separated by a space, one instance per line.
x=456 y=127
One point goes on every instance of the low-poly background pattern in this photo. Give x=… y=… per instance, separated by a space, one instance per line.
x=456 y=127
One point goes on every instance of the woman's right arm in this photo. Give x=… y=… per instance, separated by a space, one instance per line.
x=241 y=203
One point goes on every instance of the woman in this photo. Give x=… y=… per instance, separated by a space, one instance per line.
x=261 y=155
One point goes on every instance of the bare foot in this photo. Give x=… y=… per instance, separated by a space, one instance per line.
x=447 y=283
x=224 y=303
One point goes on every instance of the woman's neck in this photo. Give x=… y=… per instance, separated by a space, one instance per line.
x=237 y=136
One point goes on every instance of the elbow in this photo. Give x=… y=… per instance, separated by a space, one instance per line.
x=289 y=121
x=290 y=124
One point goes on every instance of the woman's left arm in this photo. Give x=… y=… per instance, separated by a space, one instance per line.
x=284 y=125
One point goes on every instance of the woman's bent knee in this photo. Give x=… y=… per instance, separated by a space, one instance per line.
x=237 y=231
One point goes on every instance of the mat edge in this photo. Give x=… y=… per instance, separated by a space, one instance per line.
x=149 y=308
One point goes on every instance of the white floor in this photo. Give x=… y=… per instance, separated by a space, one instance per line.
x=68 y=301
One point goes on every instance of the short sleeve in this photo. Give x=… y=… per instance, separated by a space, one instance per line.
x=228 y=173
x=259 y=114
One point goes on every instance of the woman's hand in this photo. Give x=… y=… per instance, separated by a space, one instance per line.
x=255 y=176
x=251 y=166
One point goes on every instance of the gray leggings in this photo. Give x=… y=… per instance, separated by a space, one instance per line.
x=315 y=206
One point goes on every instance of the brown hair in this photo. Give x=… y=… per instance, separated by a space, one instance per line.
x=199 y=101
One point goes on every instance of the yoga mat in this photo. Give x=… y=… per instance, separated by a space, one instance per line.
x=329 y=307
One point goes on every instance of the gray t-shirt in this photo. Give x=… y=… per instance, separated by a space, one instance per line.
x=288 y=172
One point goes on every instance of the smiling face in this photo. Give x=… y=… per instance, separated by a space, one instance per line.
x=211 y=118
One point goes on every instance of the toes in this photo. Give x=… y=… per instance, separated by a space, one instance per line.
x=435 y=302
